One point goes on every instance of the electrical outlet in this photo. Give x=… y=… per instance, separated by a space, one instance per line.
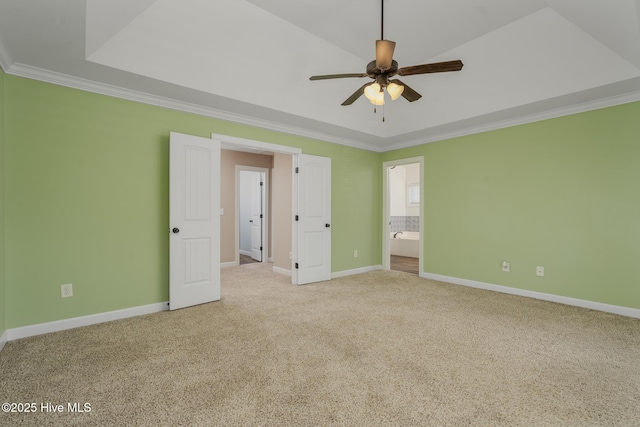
x=355 y=253
x=539 y=271
x=506 y=266
x=66 y=291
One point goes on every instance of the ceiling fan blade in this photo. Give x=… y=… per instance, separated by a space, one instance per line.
x=337 y=76
x=384 y=54
x=357 y=94
x=436 y=67
x=408 y=93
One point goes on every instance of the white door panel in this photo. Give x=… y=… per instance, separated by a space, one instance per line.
x=194 y=218
x=314 y=219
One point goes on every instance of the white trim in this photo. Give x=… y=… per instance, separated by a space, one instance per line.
x=235 y=143
x=354 y=271
x=229 y=264
x=281 y=270
x=92 y=319
x=243 y=252
x=3 y=339
x=608 y=308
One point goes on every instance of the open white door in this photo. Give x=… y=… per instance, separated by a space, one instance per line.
x=194 y=220
x=256 y=215
x=313 y=186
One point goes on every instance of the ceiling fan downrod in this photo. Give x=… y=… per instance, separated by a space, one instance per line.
x=382 y=20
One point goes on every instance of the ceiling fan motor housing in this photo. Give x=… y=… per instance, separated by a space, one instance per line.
x=374 y=72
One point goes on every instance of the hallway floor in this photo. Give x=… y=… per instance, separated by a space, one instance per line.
x=246 y=259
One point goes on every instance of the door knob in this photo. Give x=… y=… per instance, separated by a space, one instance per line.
x=175 y=230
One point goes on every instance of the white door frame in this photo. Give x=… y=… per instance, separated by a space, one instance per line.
x=386 y=229
x=259 y=147
x=265 y=209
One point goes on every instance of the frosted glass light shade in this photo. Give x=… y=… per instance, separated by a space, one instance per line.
x=378 y=99
x=395 y=90
x=371 y=91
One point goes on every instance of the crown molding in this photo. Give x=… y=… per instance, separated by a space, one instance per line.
x=66 y=80
x=61 y=79
x=522 y=120
x=5 y=59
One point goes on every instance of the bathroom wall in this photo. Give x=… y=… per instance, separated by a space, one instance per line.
x=404 y=216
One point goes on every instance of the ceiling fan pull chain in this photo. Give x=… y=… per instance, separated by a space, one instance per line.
x=382 y=21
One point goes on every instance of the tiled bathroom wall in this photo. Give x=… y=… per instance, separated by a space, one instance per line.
x=405 y=223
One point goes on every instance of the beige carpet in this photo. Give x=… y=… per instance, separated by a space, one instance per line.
x=378 y=349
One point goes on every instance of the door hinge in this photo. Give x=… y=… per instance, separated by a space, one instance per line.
x=261 y=183
x=260 y=247
x=296 y=265
x=260 y=216
x=297 y=169
x=296 y=217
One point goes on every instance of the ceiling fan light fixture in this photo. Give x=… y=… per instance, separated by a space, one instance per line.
x=378 y=99
x=384 y=67
x=372 y=91
x=395 y=90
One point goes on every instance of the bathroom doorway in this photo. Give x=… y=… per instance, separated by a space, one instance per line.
x=402 y=215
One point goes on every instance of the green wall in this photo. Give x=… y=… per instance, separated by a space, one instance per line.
x=85 y=181
x=2 y=251
x=87 y=199
x=561 y=193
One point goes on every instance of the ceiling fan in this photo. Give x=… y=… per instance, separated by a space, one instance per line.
x=384 y=67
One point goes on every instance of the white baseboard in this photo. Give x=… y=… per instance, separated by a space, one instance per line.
x=247 y=253
x=3 y=339
x=615 y=309
x=281 y=270
x=360 y=270
x=76 y=322
x=228 y=264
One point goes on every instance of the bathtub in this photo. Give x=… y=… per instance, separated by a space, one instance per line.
x=406 y=243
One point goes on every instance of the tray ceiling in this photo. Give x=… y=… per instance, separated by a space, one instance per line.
x=250 y=61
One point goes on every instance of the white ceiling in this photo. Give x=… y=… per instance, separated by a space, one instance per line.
x=250 y=60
